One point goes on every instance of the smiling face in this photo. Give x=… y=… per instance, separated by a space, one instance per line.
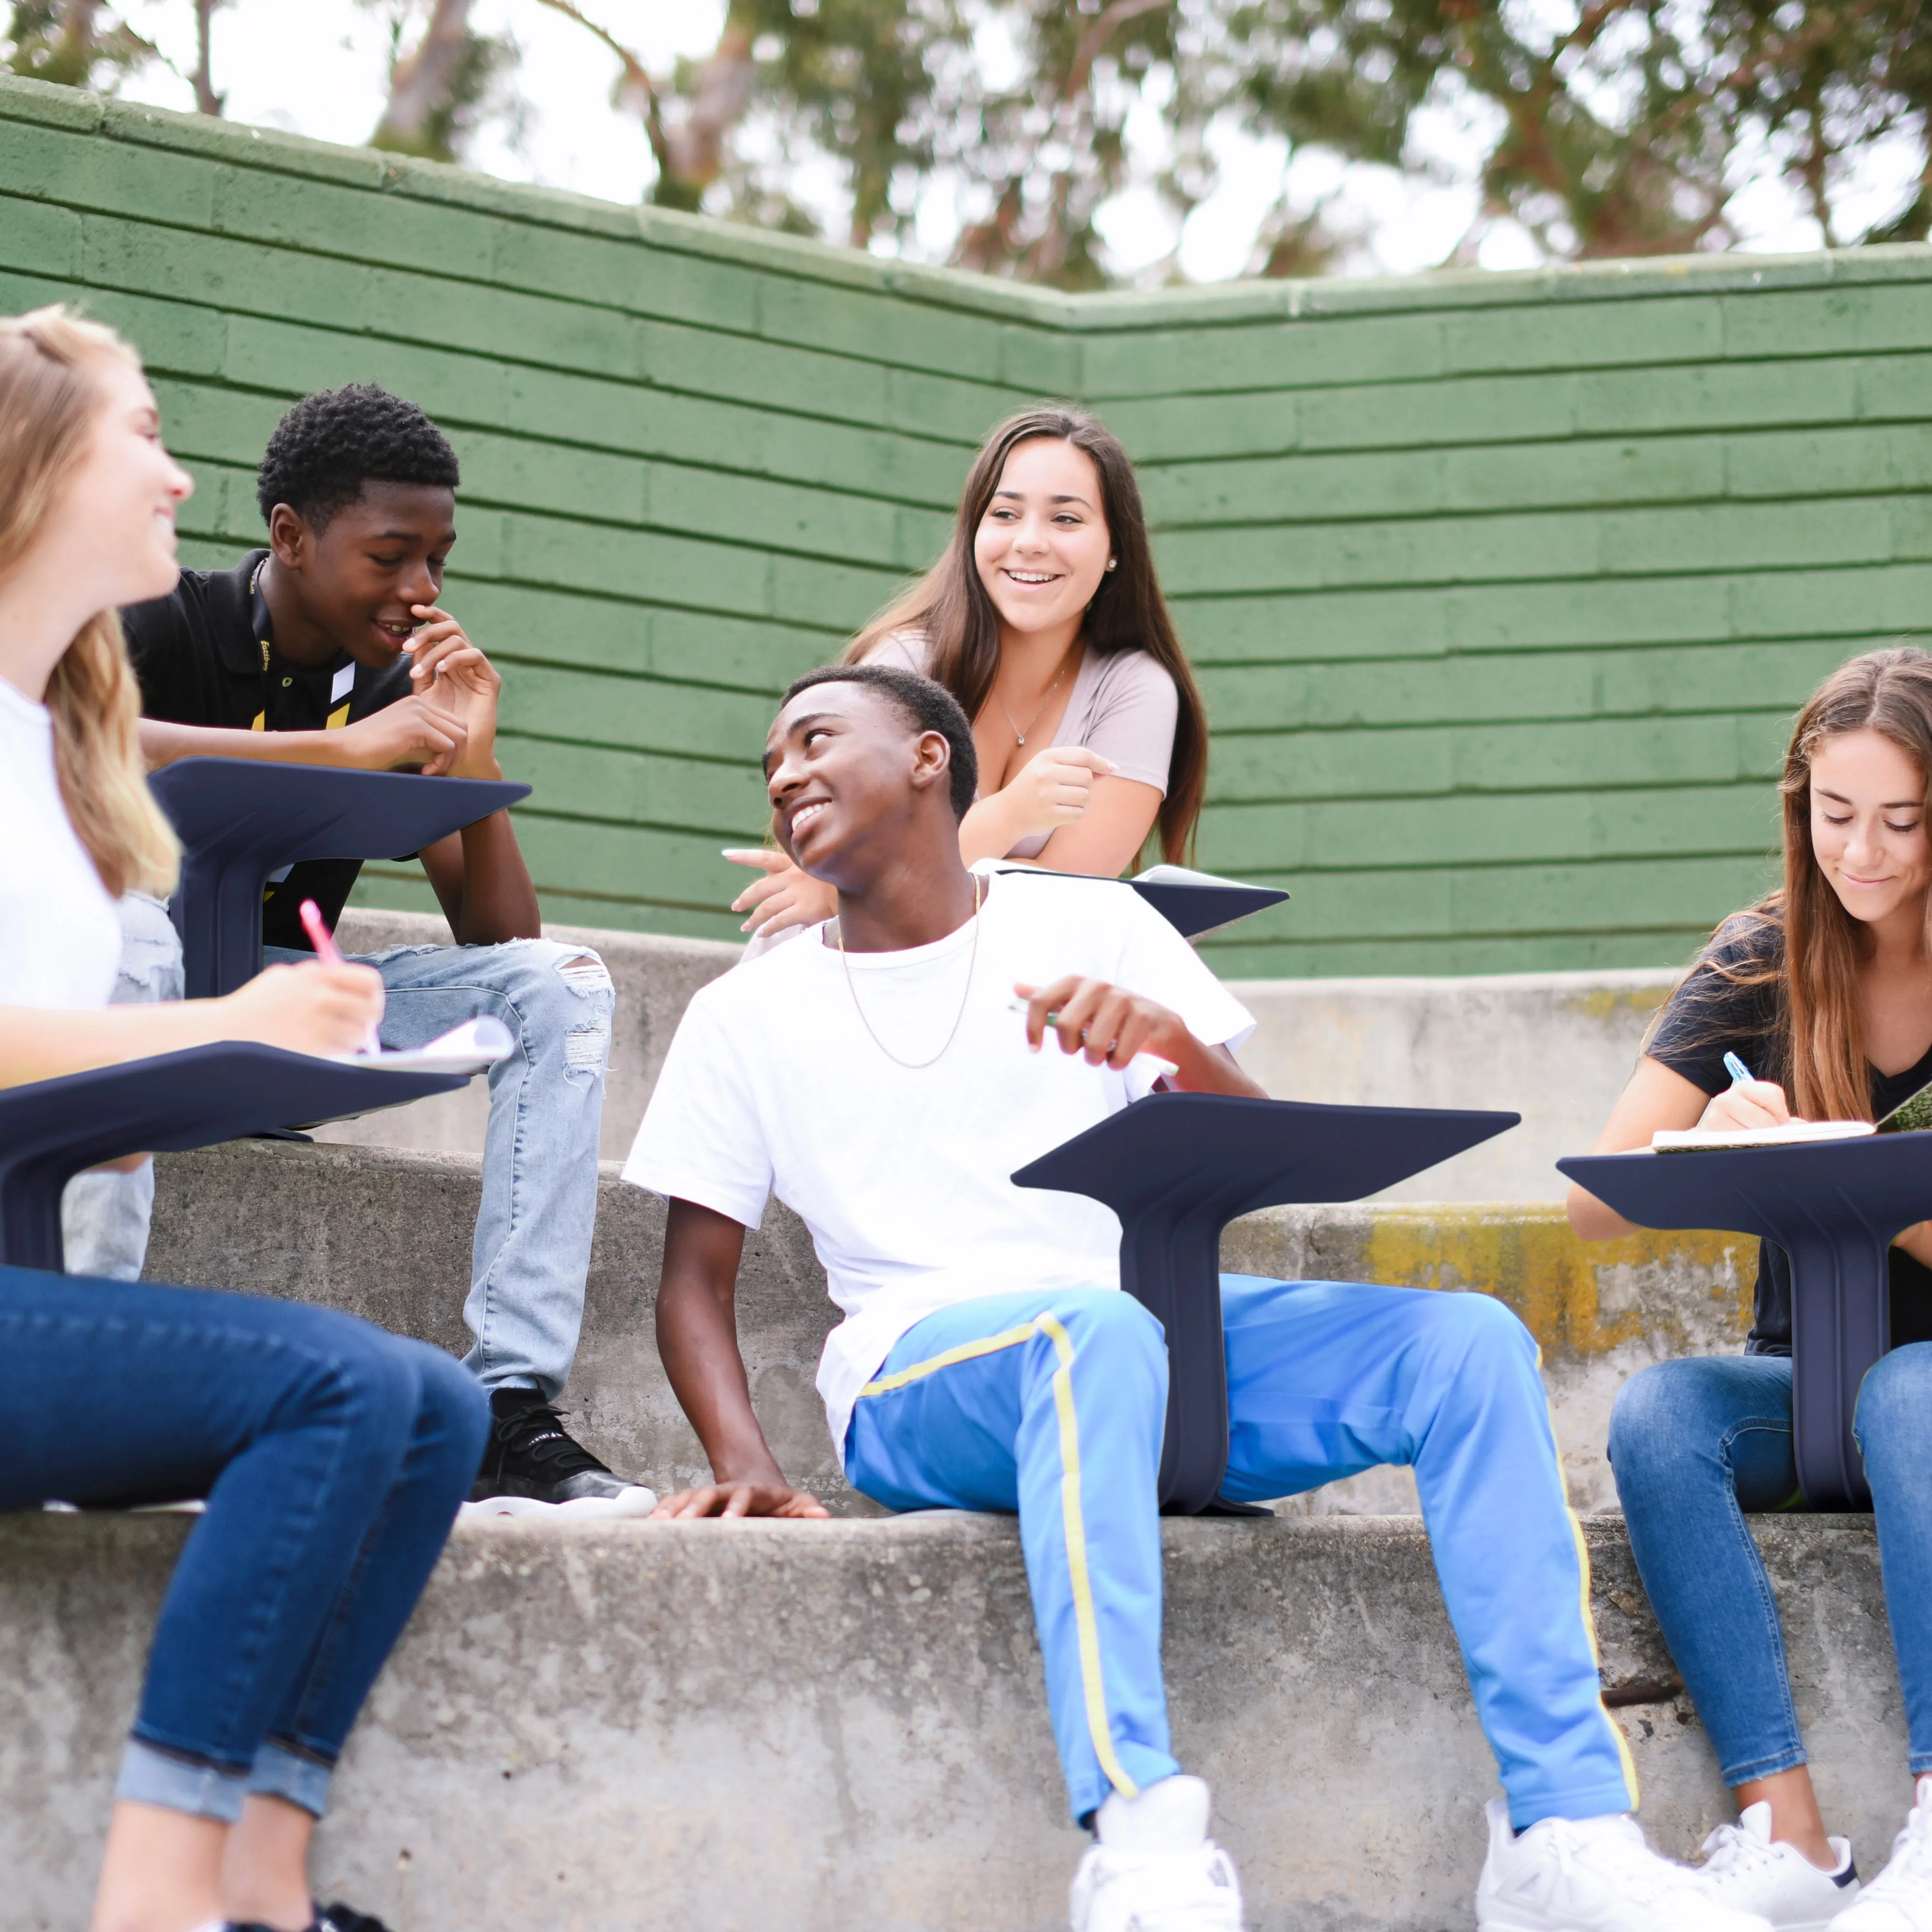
x=358 y=575
x=1868 y=826
x=850 y=779
x=120 y=500
x=1042 y=545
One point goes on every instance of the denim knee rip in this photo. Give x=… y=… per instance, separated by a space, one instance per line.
x=587 y=1047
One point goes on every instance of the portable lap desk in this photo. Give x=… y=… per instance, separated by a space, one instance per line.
x=240 y=819
x=1833 y=1206
x=51 y=1130
x=1177 y=1169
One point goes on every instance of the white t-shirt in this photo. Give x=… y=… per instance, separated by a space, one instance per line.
x=60 y=938
x=773 y=1084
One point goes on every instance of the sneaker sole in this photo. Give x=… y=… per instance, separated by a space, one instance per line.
x=633 y=1502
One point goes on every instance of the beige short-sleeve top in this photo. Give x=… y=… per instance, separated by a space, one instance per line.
x=1123 y=705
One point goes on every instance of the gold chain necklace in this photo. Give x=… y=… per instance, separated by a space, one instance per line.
x=919 y=1065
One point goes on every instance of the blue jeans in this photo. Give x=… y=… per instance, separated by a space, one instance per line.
x=332 y=1457
x=1697 y=1444
x=105 y=1217
x=531 y=1250
x=1052 y=1405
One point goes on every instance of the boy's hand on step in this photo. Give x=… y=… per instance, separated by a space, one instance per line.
x=726 y=1499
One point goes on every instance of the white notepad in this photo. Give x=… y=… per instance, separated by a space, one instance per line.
x=1792 y=1133
x=474 y=1047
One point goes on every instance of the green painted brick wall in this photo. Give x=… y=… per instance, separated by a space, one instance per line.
x=1502 y=588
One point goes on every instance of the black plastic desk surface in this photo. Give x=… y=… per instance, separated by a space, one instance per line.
x=51 y=1130
x=1833 y=1206
x=1177 y=1169
x=1190 y=908
x=240 y=819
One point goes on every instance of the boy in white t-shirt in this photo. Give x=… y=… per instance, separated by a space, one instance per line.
x=876 y=1077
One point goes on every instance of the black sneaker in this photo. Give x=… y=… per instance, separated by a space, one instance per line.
x=336 y=1918
x=530 y=1466
x=340 y=1918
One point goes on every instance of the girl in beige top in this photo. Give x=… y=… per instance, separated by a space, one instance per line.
x=1045 y=619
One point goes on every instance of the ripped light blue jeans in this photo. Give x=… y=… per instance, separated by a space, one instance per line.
x=532 y=1246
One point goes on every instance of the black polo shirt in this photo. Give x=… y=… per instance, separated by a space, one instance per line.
x=204 y=654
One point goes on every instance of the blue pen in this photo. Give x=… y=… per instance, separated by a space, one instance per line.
x=1741 y=1074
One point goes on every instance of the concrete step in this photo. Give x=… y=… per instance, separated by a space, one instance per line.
x=387 y=1235
x=1491 y=1041
x=821 y=1727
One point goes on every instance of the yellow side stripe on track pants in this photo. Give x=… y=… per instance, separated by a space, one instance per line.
x=1616 y=1730
x=1086 y=1624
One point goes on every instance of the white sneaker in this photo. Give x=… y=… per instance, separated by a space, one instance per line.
x=1591 y=1875
x=1154 y=1868
x=1900 y=1899
x=1745 y=1870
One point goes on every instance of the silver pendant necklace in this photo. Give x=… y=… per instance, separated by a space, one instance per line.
x=1017 y=733
x=972 y=958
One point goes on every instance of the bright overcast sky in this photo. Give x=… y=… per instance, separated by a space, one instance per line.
x=317 y=68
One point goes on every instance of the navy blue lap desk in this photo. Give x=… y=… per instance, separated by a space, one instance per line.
x=240 y=819
x=52 y=1130
x=1177 y=1169
x=1833 y=1206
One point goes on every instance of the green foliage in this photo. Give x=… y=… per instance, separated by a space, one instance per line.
x=72 y=44
x=1621 y=131
x=1618 y=135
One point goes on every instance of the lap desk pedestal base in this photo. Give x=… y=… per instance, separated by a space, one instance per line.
x=1177 y=1169
x=1834 y=1207
x=51 y=1130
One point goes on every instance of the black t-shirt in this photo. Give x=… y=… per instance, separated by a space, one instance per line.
x=205 y=655
x=1709 y=1015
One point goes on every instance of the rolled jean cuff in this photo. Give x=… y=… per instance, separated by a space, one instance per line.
x=151 y=1777
x=282 y=1773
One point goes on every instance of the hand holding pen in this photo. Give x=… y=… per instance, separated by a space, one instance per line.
x=330 y=954
x=1748 y=1102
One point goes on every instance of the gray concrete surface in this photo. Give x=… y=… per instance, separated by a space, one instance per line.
x=1555 y=1047
x=388 y=1236
x=841 y=1727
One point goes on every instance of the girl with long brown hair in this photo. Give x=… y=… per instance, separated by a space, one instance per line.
x=1044 y=618
x=332 y=1457
x=1823 y=991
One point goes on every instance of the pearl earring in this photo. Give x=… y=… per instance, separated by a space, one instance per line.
x=1112 y=561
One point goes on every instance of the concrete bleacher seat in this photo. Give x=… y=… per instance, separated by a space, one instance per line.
x=621 y=1728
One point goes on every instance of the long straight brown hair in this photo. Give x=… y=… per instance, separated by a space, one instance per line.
x=1822 y=1018
x=950 y=608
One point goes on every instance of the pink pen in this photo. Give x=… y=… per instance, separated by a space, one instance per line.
x=329 y=953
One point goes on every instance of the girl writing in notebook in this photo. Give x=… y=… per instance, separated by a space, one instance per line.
x=332 y=1457
x=1045 y=619
x=1823 y=990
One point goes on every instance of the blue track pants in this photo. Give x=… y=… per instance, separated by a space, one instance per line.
x=1052 y=1405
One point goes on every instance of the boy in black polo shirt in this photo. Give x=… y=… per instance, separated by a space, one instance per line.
x=328 y=647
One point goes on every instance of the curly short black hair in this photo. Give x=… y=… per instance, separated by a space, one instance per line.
x=928 y=707
x=333 y=442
